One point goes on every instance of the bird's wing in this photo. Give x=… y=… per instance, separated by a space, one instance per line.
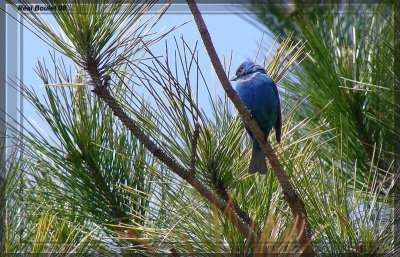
x=278 y=124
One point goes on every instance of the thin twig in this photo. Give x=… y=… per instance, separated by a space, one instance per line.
x=295 y=203
x=193 y=155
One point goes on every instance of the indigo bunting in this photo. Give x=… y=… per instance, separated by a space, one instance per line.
x=259 y=94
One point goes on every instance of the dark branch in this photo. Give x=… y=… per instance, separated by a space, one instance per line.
x=295 y=203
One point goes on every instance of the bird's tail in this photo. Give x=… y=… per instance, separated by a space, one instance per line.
x=257 y=162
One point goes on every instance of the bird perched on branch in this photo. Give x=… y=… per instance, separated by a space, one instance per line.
x=259 y=94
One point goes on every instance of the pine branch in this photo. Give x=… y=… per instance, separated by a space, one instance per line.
x=223 y=192
x=102 y=91
x=295 y=203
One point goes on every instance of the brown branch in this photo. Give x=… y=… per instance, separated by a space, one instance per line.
x=295 y=203
x=103 y=93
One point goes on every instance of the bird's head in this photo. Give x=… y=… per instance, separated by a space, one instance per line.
x=246 y=68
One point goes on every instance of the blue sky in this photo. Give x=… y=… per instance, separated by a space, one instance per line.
x=229 y=31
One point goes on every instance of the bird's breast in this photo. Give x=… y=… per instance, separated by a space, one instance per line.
x=257 y=94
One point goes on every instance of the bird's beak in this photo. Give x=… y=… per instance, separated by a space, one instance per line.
x=234 y=78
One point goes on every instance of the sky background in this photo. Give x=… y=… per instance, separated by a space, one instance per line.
x=229 y=30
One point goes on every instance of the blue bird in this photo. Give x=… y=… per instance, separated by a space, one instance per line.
x=259 y=94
